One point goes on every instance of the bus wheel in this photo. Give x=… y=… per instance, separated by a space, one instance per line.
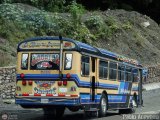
x=102 y=106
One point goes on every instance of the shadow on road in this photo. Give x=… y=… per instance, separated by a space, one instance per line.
x=74 y=116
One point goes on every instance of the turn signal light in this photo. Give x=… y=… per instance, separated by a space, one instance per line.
x=59 y=83
x=30 y=82
x=68 y=75
x=64 y=82
x=22 y=75
x=25 y=94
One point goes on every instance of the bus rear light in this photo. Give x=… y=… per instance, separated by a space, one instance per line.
x=61 y=95
x=65 y=83
x=68 y=75
x=49 y=94
x=22 y=75
x=59 y=83
x=37 y=94
x=24 y=82
x=30 y=82
x=25 y=94
x=74 y=95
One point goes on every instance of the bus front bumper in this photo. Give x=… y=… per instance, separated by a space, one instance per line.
x=47 y=101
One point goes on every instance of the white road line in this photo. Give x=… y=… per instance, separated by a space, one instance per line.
x=149 y=112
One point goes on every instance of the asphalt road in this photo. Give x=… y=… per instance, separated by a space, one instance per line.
x=151 y=106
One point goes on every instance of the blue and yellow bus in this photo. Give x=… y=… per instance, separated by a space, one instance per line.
x=55 y=73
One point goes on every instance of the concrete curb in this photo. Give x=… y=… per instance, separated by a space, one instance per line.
x=151 y=86
x=9 y=101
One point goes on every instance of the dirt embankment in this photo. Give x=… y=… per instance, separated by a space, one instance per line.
x=141 y=41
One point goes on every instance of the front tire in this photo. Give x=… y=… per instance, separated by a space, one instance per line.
x=103 y=106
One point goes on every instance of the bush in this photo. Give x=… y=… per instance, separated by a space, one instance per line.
x=76 y=11
x=94 y=22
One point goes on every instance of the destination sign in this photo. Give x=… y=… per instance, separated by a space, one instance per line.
x=46 y=44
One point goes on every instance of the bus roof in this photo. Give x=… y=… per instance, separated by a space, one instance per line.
x=77 y=46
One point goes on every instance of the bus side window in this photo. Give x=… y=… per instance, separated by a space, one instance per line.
x=24 y=62
x=103 y=69
x=135 y=75
x=85 y=65
x=128 y=73
x=113 y=70
x=121 y=72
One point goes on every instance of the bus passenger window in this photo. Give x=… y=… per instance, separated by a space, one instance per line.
x=24 y=62
x=68 y=61
x=128 y=74
x=85 y=65
x=135 y=75
x=121 y=72
x=103 y=70
x=113 y=70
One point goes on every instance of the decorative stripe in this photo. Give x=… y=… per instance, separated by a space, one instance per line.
x=48 y=95
x=73 y=77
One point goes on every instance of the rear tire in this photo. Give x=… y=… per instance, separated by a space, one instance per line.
x=103 y=106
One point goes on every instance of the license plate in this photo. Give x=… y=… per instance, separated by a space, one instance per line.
x=62 y=90
x=44 y=100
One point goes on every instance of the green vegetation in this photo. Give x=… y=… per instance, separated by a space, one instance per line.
x=20 y=21
x=49 y=5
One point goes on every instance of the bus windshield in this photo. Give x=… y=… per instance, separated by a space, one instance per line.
x=44 y=61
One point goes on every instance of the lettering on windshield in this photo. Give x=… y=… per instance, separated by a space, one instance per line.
x=45 y=61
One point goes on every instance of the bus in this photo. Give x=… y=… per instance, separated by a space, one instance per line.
x=55 y=73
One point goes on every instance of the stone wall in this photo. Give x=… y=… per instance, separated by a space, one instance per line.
x=7 y=82
x=153 y=74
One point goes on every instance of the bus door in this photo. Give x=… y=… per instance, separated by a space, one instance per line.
x=93 y=78
x=137 y=85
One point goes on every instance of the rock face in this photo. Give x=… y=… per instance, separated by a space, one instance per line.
x=7 y=82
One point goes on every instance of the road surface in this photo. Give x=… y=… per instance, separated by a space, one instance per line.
x=151 y=106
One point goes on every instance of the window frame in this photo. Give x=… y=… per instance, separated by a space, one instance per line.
x=84 y=75
x=27 y=61
x=41 y=53
x=128 y=72
x=65 y=61
x=103 y=69
x=133 y=80
x=113 y=69
x=122 y=71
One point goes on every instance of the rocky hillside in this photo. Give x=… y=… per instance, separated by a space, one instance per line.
x=139 y=37
x=128 y=33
